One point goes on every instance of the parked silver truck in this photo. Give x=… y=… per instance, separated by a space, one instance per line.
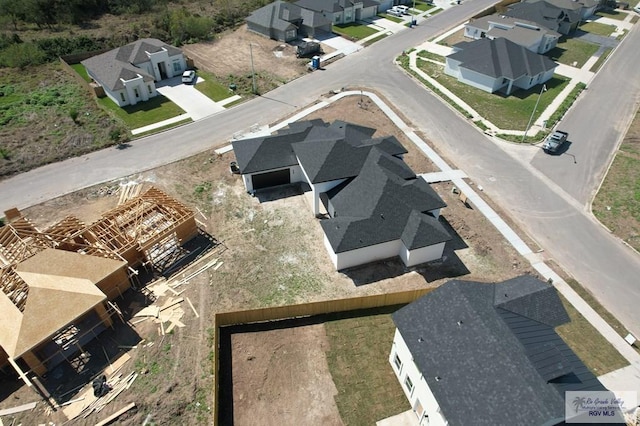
x=554 y=141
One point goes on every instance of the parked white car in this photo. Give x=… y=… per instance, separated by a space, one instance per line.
x=394 y=12
x=636 y=8
x=403 y=9
x=188 y=76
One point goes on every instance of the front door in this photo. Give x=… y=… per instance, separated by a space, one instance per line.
x=162 y=70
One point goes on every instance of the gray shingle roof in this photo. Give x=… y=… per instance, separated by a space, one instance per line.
x=501 y=58
x=280 y=15
x=543 y=13
x=120 y=63
x=283 y=15
x=383 y=203
x=487 y=358
x=276 y=151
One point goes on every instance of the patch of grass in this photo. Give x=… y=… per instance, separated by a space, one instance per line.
x=391 y=18
x=611 y=13
x=82 y=71
x=565 y=105
x=354 y=31
x=428 y=55
x=212 y=88
x=601 y=310
x=404 y=62
x=162 y=128
x=373 y=40
x=368 y=390
x=424 y=6
x=572 y=52
x=234 y=103
x=142 y=114
x=598 y=28
x=596 y=66
x=506 y=112
x=617 y=204
x=593 y=349
x=622 y=35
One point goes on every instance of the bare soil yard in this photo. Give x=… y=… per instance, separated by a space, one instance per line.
x=229 y=59
x=274 y=256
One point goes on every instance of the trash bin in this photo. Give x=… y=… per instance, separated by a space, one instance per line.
x=315 y=62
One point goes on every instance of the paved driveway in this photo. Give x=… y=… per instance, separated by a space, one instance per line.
x=187 y=97
x=340 y=43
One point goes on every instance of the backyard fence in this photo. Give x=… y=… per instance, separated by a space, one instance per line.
x=310 y=309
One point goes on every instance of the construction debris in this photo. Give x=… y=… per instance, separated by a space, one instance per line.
x=128 y=191
x=18 y=409
x=116 y=415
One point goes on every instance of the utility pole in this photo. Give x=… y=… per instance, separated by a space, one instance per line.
x=253 y=71
x=544 y=89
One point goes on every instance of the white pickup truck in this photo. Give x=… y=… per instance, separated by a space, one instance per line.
x=554 y=141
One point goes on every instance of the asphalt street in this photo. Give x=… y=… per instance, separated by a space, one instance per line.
x=546 y=198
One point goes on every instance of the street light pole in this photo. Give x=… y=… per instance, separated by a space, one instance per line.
x=544 y=89
x=253 y=71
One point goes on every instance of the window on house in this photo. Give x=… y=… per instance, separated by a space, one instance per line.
x=397 y=362
x=337 y=18
x=122 y=97
x=149 y=87
x=176 y=66
x=408 y=384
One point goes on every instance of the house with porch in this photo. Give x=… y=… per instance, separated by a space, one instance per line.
x=471 y=353
x=376 y=207
x=498 y=65
x=342 y=11
x=128 y=74
x=529 y=34
x=284 y=21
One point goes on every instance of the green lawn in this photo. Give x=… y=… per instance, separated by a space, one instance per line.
x=391 y=18
x=373 y=40
x=617 y=204
x=613 y=14
x=572 y=52
x=597 y=28
x=593 y=349
x=424 y=6
x=510 y=112
x=354 y=31
x=82 y=71
x=142 y=114
x=359 y=348
x=212 y=88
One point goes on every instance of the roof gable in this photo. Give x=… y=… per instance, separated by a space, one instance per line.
x=473 y=353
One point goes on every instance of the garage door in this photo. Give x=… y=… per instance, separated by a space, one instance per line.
x=265 y=180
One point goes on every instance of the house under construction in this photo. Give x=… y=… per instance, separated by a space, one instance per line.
x=57 y=283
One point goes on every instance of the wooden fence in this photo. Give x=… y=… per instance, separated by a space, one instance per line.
x=299 y=311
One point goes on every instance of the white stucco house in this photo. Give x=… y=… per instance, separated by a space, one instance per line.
x=128 y=74
x=471 y=353
x=498 y=65
x=530 y=35
x=377 y=208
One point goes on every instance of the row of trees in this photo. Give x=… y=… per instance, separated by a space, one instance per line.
x=48 y=13
x=148 y=18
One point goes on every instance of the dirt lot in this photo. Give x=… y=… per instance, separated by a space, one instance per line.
x=273 y=256
x=229 y=58
x=273 y=390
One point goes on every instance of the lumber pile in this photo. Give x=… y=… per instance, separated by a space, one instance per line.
x=128 y=191
x=86 y=402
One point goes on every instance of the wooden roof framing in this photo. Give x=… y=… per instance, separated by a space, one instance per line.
x=14 y=287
